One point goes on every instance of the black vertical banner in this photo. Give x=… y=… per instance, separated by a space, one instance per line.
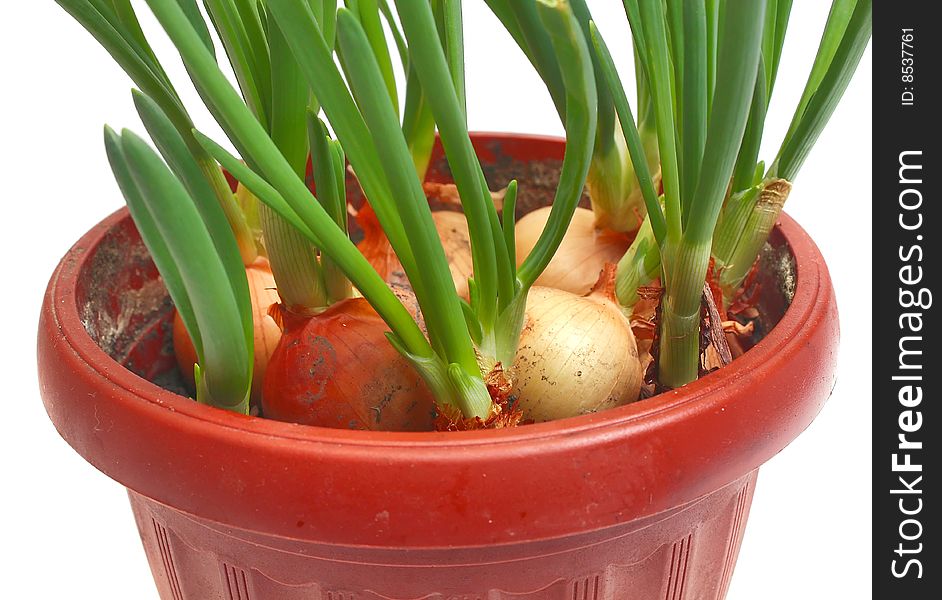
x=907 y=368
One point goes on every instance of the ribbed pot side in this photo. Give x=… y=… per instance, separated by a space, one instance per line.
x=648 y=501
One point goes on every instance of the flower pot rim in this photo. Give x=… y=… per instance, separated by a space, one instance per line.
x=630 y=462
x=789 y=332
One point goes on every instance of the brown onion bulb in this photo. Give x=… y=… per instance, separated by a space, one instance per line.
x=337 y=369
x=262 y=294
x=577 y=355
x=582 y=254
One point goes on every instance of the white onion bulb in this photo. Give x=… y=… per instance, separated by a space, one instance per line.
x=452 y=228
x=582 y=254
x=577 y=355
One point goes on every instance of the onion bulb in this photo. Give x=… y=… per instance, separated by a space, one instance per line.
x=577 y=355
x=584 y=251
x=262 y=294
x=452 y=228
x=375 y=247
x=337 y=369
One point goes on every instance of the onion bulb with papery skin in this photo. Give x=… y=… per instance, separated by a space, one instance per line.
x=452 y=228
x=577 y=355
x=262 y=294
x=337 y=369
x=375 y=247
x=584 y=251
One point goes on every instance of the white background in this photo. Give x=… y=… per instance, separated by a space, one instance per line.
x=67 y=529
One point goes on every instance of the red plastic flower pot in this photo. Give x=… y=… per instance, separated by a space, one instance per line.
x=648 y=501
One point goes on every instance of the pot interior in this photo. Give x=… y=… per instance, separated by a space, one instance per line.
x=126 y=310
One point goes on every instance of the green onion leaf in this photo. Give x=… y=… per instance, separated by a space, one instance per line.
x=693 y=95
x=451 y=31
x=635 y=146
x=329 y=180
x=539 y=49
x=431 y=65
x=508 y=214
x=437 y=293
x=121 y=15
x=838 y=19
x=192 y=11
x=257 y=185
x=656 y=56
x=369 y=17
x=225 y=360
x=814 y=115
x=396 y=32
x=248 y=134
x=317 y=65
x=575 y=64
x=152 y=238
x=184 y=166
x=737 y=69
x=503 y=10
x=744 y=172
x=247 y=49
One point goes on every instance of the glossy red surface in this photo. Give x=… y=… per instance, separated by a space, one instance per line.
x=644 y=501
x=336 y=369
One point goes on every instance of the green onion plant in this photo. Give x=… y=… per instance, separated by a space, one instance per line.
x=712 y=67
x=756 y=194
x=759 y=193
x=316 y=83
x=284 y=54
x=179 y=218
x=612 y=183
